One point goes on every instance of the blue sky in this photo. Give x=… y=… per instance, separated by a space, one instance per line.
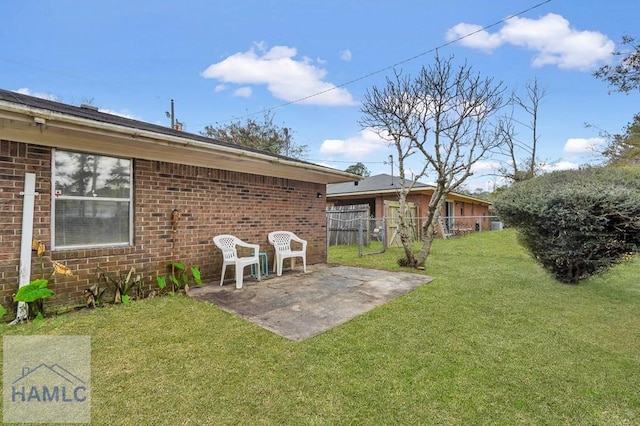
x=227 y=60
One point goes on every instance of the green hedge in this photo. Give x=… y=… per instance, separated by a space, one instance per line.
x=576 y=222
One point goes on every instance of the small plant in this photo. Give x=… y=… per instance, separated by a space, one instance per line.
x=34 y=293
x=180 y=278
x=122 y=284
x=178 y=273
x=162 y=282
x=97 y=292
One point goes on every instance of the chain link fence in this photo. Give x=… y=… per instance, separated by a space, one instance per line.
x=373 y=235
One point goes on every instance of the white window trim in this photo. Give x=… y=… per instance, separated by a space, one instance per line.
x=67 y=197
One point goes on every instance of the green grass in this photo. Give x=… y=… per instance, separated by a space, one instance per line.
x=492 y=340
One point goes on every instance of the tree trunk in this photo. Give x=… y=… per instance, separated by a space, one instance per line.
x=403 y=229
x=429 y=226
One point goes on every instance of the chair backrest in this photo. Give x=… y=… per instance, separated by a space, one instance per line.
x=227 y=243
x=281 y=240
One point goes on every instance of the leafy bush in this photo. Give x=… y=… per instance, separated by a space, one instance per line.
x=576 y=222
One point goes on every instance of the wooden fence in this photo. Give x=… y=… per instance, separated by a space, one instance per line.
x=343 y=224
x=352 y=225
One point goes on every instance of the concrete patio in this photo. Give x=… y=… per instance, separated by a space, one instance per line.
x=298 y=306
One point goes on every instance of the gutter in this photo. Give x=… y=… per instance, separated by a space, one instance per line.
x=110 y=129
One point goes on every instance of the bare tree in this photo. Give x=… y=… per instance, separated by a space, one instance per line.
x=522 y=161
x=443 y=115
x=512 y=168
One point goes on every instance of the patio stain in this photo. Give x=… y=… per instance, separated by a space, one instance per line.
x=298 y=306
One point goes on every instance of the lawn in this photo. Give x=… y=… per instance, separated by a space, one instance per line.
x=492 y=340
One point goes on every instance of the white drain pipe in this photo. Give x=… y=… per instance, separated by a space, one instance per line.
x=28 y=205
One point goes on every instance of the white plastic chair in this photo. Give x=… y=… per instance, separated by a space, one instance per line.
x=228 y=244
x=281 y=241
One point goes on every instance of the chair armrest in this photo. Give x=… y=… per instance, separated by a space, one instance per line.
x=255 y=247
x=300 y=240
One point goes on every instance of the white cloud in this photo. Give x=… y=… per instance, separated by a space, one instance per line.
x=345 y=55
x=25 y=91
x=322 y=163
x=560 y=165
x=550 y=37
x=243 y=92
x=123 y=113
x=480 y=39
x=485 y=176
x=41 y=95
x=484 y=167
x=220 y=88
x=285 y=77
x=583 y=145
x=366 y=142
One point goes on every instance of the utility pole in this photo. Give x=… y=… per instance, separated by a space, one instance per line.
x=172 y=116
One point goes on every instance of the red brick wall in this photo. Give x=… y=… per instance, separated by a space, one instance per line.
x=16 y=159
x=210 y=202
x=462 y=210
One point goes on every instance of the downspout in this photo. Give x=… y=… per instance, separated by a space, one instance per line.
x=28 y=206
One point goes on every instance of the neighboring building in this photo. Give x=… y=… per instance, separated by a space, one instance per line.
x=107 y=187
x=380 y=193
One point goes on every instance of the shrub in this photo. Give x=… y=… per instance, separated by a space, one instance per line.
x=576 y=222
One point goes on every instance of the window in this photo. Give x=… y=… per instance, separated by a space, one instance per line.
x=92 y=200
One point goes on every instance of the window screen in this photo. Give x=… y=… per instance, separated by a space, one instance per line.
x=92 y=200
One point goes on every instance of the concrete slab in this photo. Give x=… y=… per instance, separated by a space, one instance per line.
x=298 y=306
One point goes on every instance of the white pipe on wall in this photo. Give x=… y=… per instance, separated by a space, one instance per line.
x=28 y=205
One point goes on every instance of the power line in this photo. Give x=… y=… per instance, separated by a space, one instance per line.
x=347 y=83
x=63 y=74
x=363 y=77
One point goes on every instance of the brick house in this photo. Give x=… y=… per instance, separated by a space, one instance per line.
x=107 y=186
x=380 y=193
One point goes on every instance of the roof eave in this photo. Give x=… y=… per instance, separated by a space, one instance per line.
x=49 y=128
x=364 y=194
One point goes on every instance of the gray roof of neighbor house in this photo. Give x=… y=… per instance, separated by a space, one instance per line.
x=34 y=120
x=372 y=184
x=385 y=184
